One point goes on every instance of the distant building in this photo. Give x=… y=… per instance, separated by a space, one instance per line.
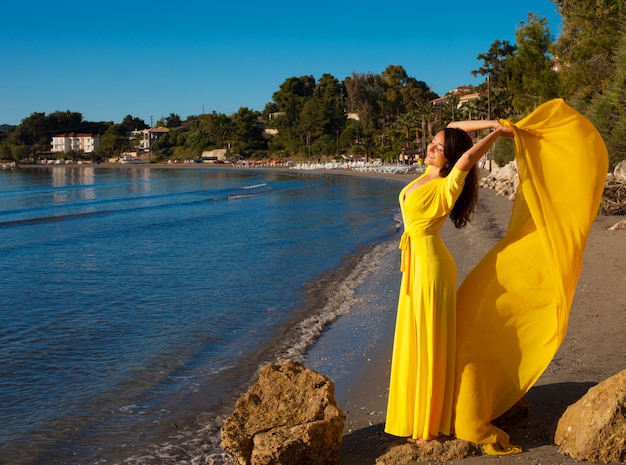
x=152 y=135
x=75 y=142
x=463 y=94
x=157 y=133
x=276 y=114
x=214 y=156
x=147 y=136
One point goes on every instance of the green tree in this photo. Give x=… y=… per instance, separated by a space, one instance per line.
x=290 y=98
x=173 y=121
x=363 y=98
x=33 y=130
x=322 y=114
x=329 y=92
x=67 y=121
x=247 y=132
x=475 y=109
x=402 y=93
x=5 y=152
x=426 y=112
x=348 y=137
x=131 y=123
x=113 y=141
x=408 y=123
x=163 y=147
x=607 y=110
x=20 y=152
x=498 y=71
x=535 y=80
x=393 y=80
x=198 y=137
x=586 y=47
x=218 y=126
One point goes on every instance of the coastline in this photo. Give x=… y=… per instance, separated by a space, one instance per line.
x=356 y=348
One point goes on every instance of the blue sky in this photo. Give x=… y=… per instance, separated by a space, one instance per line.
x=149 y=59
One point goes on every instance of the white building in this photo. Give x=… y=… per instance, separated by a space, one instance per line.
x=74 y=142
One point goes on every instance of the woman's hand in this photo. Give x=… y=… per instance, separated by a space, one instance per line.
x=469 y=158
x=504 y=131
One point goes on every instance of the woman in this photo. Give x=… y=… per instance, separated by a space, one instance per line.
x=421 y=392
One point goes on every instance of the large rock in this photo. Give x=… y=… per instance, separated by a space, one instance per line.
x=438 y=450
x=289 y=417
x=594 y=428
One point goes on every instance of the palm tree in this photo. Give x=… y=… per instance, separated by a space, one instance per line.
x=406 y=121
x=427 y=112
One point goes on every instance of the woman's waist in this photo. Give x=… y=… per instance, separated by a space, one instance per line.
x=418 y=236
x=421 y=232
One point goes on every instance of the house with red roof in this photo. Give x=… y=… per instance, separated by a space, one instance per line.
x=75 y=142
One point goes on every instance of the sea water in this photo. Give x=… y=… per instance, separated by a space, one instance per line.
x=138 y=302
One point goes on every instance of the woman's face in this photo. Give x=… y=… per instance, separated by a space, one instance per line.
x=434 y=152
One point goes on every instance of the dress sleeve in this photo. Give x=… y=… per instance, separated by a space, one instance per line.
x=454 y=183
x=456 y=180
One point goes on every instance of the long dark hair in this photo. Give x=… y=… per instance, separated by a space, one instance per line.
x=456 y=143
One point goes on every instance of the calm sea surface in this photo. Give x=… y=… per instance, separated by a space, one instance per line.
x=138 y=302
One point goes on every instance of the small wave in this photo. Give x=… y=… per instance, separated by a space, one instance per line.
x=241 y=196
x=340 y=299
x=191 y=446
x=249 y=191
x=256 y=186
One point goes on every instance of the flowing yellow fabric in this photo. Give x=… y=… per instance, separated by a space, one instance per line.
x=422 y=368
x=513 y=308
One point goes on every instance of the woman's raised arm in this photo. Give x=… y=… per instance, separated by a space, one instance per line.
x=475 y=124
x=469 y=158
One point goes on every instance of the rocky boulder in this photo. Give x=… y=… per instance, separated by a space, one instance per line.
x=504 y=180
x=594 y=428
x=438 y=450
x=289 y=417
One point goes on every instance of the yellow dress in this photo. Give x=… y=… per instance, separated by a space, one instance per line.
x=422 y=368
x=513 y=308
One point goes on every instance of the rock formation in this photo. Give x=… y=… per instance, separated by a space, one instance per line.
x=439 y=450
x=594 y=428
x=289 y=417
x=503 y=180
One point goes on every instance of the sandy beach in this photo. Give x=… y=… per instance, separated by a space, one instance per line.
x=592 y=351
